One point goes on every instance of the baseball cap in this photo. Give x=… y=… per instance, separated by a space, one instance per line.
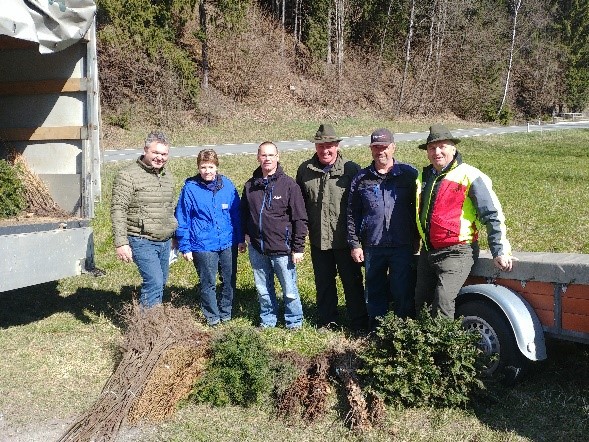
x=381 y=137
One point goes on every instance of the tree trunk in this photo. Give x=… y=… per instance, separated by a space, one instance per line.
x=283 y=30
x=329 y=36
x=439 y=46
x=297 y=18
x=431 y=77
x=205 y=50
x=516 y=7
x=425 y=73
x=384 y=34
x=340 y=17
x=407 y=57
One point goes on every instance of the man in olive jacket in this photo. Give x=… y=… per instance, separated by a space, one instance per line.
x=142 y=215
x=325 y=182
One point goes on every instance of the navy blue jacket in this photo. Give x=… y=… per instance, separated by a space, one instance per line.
x=381 y=208
x=273 y=213
x=208 y=215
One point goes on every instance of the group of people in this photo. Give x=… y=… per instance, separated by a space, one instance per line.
x=416 y=233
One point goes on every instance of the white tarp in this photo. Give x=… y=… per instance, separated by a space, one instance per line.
x=54 y=24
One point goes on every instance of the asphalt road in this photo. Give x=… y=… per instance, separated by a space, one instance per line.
x=363 y=140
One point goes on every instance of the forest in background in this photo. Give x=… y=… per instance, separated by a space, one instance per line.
x=174 y=62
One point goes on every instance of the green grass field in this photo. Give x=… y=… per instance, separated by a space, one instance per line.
x=59 y=340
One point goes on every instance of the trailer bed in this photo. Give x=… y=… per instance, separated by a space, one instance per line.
x=556 y=285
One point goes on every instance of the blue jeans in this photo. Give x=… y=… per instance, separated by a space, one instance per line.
x=206 y=264
x=390 y=275
x=153 y=261
x=265 y=267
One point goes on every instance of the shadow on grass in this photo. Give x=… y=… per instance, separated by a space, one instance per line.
x=31 y=304
x=550 y=404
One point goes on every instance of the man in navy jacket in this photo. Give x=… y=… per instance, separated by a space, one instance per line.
x=381 y=228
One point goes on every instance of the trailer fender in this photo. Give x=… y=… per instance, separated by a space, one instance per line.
x=524 y=322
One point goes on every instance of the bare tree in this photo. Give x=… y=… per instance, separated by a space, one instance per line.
x=384 y=34
x=297 y=21
x=204 y=40
x=428 y=76
x=329 y=35
x=425 y=73
x=515 y=7
x=282 y=20
x=440 y=34
x=340 y=19
x=407 y=56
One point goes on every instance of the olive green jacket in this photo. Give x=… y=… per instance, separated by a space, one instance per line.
x=143 y=204
x=326 y=200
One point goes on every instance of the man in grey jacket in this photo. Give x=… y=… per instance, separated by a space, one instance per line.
x=325 y=182
x=142 y=215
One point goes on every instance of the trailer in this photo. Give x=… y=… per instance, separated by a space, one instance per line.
x=50 y=115
x=545 y=295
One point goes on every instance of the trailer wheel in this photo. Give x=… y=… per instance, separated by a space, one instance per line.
x=502 y=357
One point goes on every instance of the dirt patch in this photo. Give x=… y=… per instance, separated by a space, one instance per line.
x=51 y=430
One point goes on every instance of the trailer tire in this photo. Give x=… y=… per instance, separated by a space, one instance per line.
x=502 y=357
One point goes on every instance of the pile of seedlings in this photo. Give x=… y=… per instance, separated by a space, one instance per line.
x=307 y=396
x=166 y=358
x=38 y=199
x=162 y=355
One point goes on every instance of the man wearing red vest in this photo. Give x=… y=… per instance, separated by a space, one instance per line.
x=453 y=200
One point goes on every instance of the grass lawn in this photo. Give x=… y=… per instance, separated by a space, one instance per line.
x=59 y=340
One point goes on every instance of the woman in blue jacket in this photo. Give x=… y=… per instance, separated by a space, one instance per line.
x=209 y=231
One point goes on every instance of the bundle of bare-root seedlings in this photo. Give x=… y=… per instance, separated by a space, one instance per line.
x=38 y=198
x=307 y=396
x=163 y=353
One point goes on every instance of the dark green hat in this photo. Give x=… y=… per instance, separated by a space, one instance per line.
x=438 y=132
x=325 y=134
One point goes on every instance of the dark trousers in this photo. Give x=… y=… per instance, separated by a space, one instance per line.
x=390 y=276
x=326 y=265
x=440 y=276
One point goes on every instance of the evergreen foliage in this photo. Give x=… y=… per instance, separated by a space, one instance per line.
x=421 y=362
x=230 y=14
x=572 y=25
x=238 y=372
x=12 y=197
x=153 y=28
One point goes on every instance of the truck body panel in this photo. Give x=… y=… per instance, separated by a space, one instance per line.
x=63 y=252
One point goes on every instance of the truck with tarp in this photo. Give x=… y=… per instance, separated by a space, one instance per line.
x=50 y=120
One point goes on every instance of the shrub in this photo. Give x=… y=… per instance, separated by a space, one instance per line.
x=238 y=372
x=504 y=117
x=12 y=196
x=421 y=362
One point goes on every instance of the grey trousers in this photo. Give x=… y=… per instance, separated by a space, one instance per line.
x=440 y=276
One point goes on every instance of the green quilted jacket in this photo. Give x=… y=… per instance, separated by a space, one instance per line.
x=143 y=204
x=326 y=200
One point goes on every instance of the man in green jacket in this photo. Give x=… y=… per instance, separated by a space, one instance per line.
x=325 y=182
x=142 y=215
